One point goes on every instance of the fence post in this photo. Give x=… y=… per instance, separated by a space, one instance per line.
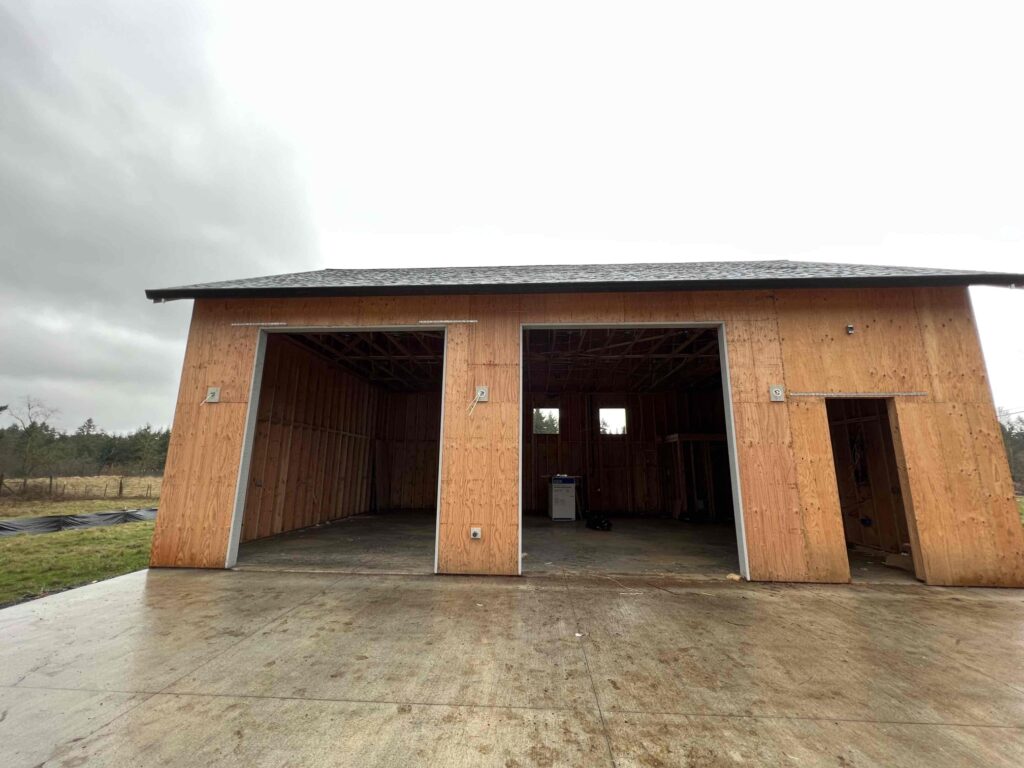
x=120 y=487
x=1 y=483
x=50 y=492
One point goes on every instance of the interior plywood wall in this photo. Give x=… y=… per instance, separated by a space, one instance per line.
x=329 y=444
x=406 y=451
x=313 y=444
x=623 y=474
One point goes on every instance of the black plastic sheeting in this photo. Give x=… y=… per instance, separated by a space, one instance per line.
x=53 y=523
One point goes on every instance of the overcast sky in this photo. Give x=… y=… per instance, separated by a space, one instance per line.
x=147 y=144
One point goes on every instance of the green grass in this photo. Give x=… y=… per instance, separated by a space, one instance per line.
x=39 y=507
x=33 y=565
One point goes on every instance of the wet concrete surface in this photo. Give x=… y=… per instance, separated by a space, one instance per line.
x=250 y=668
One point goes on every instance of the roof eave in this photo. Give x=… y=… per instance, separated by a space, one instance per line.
x=890 y=281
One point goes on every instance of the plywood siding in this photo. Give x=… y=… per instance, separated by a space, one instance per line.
x=963 y=522
x=201 y=474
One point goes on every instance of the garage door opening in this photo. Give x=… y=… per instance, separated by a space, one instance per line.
x=870 y=496
x=629 y=426
x=343 y=470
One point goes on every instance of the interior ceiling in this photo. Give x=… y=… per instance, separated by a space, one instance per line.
x=555 y=359
x=620 y=359
x=400 y=361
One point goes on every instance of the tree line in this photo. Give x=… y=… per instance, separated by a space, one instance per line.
x=1013 y=437
x=32 y=447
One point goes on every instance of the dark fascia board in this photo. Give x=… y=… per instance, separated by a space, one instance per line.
x=890 y=281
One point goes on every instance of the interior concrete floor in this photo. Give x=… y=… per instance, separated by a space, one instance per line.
x=402 y=542
x=641 y=546
x=868 y=567
x=245 y=668
x=398 y=542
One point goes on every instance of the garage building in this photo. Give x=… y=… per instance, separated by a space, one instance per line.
x=784 y=421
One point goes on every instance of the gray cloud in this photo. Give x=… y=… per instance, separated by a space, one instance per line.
x=122 y=167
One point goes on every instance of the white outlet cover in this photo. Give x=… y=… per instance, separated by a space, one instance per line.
x=213 y=394
x=482 y=393
x=777 y=393
x=475 y=533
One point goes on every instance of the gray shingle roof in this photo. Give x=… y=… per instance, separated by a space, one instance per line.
x=704 y=275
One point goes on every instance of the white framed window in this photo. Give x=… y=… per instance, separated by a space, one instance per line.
x=612 y=421
x=545 y=421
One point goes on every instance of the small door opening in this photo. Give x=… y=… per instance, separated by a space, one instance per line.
x=870 y=496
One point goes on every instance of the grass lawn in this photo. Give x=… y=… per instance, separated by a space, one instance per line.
x=35 y=565
x=40 y=507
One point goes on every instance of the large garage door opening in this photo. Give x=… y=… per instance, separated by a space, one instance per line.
x=625 y=428
x=344 y=456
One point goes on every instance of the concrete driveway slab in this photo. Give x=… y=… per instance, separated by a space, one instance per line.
x=169 y=731
x=429 y=641
x=831 y=653
x=34 y=721
x=183 y=668
x=142 y=631
x=642 y=741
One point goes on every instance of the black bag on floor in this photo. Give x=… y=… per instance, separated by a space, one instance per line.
x=599 y=523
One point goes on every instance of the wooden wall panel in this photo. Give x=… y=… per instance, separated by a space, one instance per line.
x=480 y=466
x=407 y=447
x=905 y=340
x=311 y=449
x=621 y=473
x=821 y=518
x=884 y=353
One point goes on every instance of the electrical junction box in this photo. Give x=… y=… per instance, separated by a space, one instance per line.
x=476 y=533
x=483 y=392
x=777 y=393
x=212 y=395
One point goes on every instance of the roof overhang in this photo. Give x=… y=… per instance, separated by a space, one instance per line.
x=887 y=281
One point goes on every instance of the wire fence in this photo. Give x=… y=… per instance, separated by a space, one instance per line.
x=96 y=487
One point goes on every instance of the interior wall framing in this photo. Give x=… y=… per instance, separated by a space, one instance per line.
x=964 y=523
x=870 y=496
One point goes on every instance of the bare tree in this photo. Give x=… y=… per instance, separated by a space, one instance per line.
x=34 y=411
x=36 y=433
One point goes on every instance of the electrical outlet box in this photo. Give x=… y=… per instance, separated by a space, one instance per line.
x=483 y=392
x=476 y=533
x=212 y=395
x=777 y=393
